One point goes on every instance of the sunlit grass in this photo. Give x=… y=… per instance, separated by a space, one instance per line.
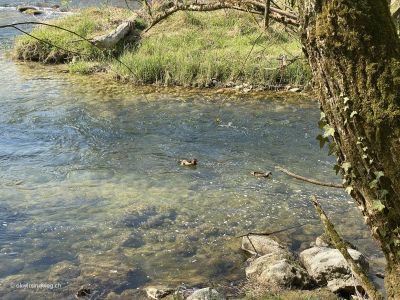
x=186 y=49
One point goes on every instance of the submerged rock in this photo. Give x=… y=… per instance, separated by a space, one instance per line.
x=63 y=271
x=261 y=245
x=328 y=267
x=325 y=241
x=205 y=294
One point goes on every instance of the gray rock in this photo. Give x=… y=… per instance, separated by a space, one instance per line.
x=262 y=244
x=276 y=271
x=327 y=266
x=205 y=294
x=158 y=292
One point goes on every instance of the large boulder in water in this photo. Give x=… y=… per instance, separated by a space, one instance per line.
x=329 y=268
x=277 y=271
x=277 y=268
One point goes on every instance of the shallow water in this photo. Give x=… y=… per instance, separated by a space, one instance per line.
x=92 y=193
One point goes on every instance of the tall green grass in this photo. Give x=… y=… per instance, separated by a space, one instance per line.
x=186 y=49
x=197 y=48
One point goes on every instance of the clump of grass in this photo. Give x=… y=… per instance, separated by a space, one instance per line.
x=186 y=49
x=88 y=23
x=199 y=48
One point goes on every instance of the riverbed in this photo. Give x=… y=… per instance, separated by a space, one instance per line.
x=92 y=194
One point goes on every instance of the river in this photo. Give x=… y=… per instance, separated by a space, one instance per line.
x=92 y=194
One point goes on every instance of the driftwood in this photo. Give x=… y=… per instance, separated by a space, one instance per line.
x=309 y=180
x=111 y=39
x=357 y=271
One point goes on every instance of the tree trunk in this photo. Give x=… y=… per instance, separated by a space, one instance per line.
x=354 y=52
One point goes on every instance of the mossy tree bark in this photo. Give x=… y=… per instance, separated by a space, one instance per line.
x=354 y=52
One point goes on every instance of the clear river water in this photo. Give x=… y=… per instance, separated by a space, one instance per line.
x=92 y=194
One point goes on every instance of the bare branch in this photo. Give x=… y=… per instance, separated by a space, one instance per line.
x=309 y=180
x=357 y=271
x=248 y=6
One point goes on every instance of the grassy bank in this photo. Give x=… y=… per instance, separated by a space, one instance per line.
x=197 y=49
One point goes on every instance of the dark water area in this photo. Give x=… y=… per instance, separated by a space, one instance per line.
x=92 y=194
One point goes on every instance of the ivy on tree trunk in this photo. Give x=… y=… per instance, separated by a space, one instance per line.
x=354 y=52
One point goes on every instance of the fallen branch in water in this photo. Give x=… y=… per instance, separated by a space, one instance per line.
x=309 y=180
x=358 y=273
x=267 y=234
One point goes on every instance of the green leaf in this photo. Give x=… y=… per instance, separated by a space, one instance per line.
x=365 y=149
x=322 y=116
x=322 y=140
x=378 y=206
x=349 y=189
x=346 y=166
x=365 y=156
x=379 y=174
x=346 y=108
x=373 y=184
x=322 y=124
x=328 y=131
x=336 y=168
x=383 y=193
x=353 y=114
x=346 y=99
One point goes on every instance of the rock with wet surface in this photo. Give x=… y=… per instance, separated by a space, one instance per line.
x=261 y=245
x=205 y=294
x=328 y=267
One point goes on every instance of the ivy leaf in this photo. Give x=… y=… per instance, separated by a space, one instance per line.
x=379 y=174
x=373 y=184
x=378 y=206
x=346 y=167
x=353 y=114
x=322 y=140
x=383 y=193
x=328 y=131
x=349 y=189
x=322 y=124
x=336 y=168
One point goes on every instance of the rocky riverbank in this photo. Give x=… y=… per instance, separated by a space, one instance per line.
x=272 y=272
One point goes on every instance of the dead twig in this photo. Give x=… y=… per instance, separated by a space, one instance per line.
x=356 y=270
x=247 y=235
x=309 y=180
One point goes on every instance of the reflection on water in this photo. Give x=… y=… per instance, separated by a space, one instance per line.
x=92 y=193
